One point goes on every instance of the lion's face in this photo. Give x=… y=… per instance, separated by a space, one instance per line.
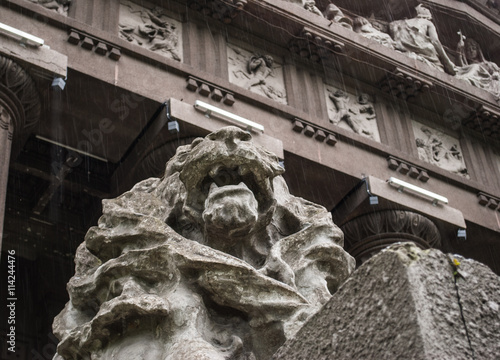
x=228 y=185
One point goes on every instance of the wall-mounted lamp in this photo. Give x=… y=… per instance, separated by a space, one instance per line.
x=173 y=127
x=58 y=83
x=24 y=37
x=226 y=115
x=404 y=185
x=462 y=234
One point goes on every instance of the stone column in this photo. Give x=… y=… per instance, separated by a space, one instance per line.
x=19 y=111
x=367 y=234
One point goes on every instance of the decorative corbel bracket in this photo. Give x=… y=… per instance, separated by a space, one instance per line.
x=407 y=168
x=207 y=89
x=488 y=200
x=91 y=43
x=309 y=130
x=485 y=120
x=314 y=46
x=223 y=10
x=403 y=84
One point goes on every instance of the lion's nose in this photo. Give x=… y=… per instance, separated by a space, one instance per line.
x=231 y=136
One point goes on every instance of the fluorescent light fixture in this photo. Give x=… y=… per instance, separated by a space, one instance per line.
x=25 y=37
x=226 y=115
x=404 y=185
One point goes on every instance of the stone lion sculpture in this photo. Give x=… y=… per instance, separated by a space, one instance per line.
x=216 y=260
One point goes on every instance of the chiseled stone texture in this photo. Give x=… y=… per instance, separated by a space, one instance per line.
x=403 y=304
x=216 y=260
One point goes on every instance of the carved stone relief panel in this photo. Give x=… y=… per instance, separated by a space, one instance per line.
x=59 y=6
x=355 y=113
x=256 y=71
x=149 y=26
x=440 y=149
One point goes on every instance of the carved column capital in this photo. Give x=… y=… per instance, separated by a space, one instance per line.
x=19 y=98
x=20 y=109
x=368 y=234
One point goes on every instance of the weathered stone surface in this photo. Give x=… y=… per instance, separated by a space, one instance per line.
x=406 y=303
x=256 y=72
x=216 y=260
x=438 y=148
x=353 y=113
x=150 y=27
x=417 y=37
x=475 y=69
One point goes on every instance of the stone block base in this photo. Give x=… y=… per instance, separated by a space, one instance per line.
x=406 y=303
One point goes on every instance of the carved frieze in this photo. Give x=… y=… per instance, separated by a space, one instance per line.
x=224 y=11
x=418 y=39
x=440 y=149
x=403 y=84
x=260 y=73
x=475 y=69
x=355 y=113
x=484 y=120
x=314 y=46
x=366 y=28
x=150 y=27
x=59 y=6
x=332 y=12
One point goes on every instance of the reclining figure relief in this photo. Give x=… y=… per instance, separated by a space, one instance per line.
x=215 y=260
x=418 y=38
x=475 y=69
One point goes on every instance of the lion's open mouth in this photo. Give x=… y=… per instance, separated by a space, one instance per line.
x=221 y=180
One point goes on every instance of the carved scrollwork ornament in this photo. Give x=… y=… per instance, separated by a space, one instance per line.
x=370 y=233
x=18 y=96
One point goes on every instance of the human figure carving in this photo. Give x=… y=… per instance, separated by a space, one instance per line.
x=216 y=260
x=333 y=13
x=436 y=150
x=362 y=26
x=357 y=115
x=60 y=6
x=310 y=5
x=475 y=69
x=259 y=72
x=418 y=38
x=153 y=31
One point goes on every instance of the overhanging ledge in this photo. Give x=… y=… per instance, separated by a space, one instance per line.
x=357 y=204
x=40 y=61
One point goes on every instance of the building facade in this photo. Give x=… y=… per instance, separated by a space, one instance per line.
x=385 y=113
